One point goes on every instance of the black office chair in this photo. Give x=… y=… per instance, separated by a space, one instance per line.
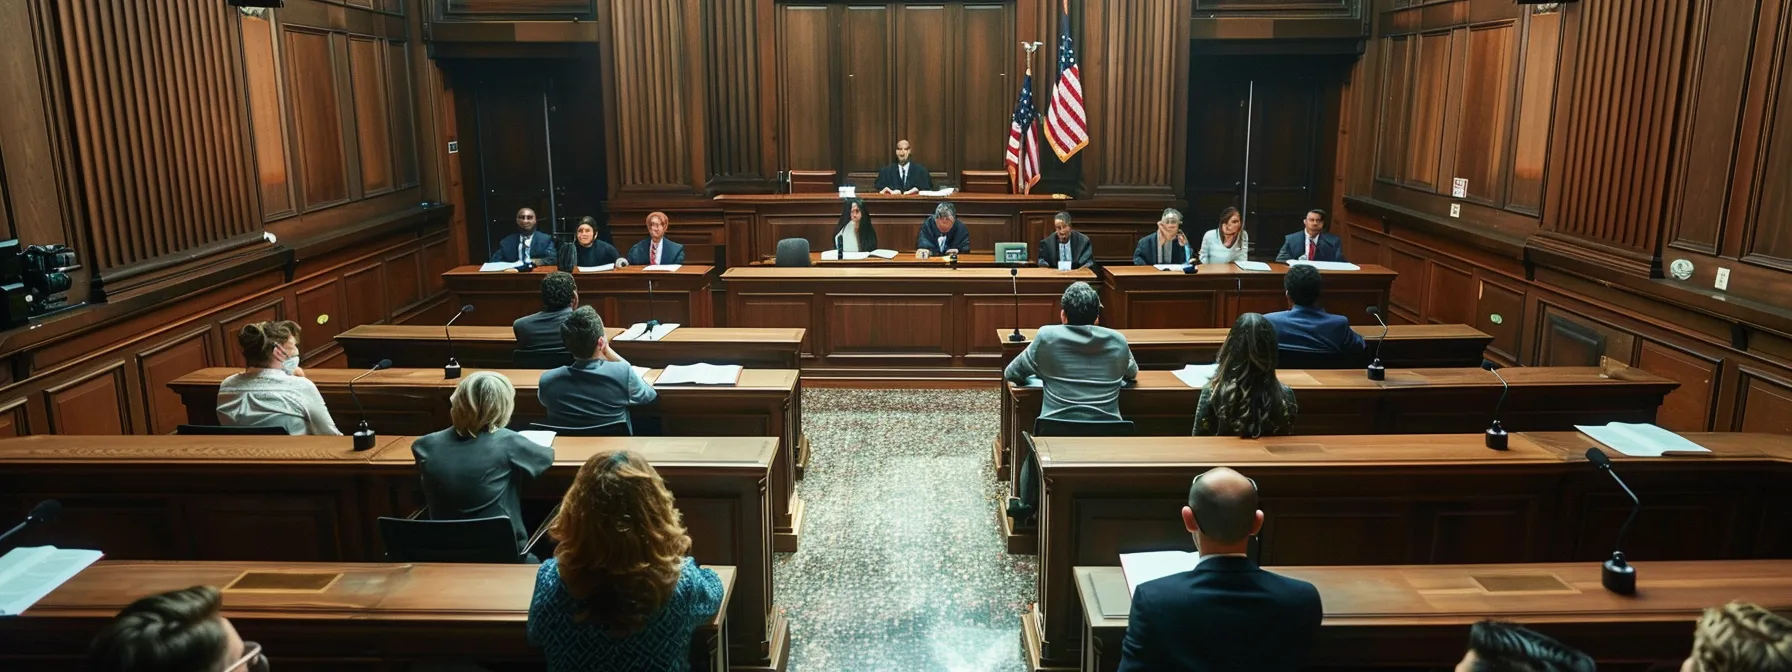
x=793 y=252
x=540 y=359
x=1287 y=358
x=1024 y=506
x=612 y=429
x=488 y=540
x=225 y=430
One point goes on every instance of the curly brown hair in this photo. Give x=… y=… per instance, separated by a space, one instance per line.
x=621 y=541
x=1247 y=397
x=1742 y=637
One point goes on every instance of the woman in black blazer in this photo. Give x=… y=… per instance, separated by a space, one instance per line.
x=861 y=237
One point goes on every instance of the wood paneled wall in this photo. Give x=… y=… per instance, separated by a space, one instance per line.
x=1135 y=84
x=656 y=96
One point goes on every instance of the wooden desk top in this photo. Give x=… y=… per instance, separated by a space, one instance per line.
x=686 y=270
x=1275 y=268
x=569 y=451
x=361 y=592
x=900 y=273
x=902 y=258
x=504 y=335
x=873 y=197
x=1431 y=379
x=572 y=451
x=750 y=379
x=1394 y=450
x=1174 y=337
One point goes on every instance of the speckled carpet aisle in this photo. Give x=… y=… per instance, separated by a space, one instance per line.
x=902 y=566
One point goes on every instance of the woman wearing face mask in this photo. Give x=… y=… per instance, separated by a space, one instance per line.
x=272 y=389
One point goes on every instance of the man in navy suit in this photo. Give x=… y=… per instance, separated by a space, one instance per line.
x=1226 y=613
x=526 y=243
x=903 y=176
x=1308 y=328
x=1312 y=243
x=656 y=249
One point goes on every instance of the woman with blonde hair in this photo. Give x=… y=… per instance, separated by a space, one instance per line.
x=1740 y=637
x=620 y=592
x=1245 y=398
x=477 y=468
x=272 y=389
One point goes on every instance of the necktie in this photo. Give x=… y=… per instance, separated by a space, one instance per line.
x=653 y=254
x=522 y=251
x=903 y=171
x=1312 y=254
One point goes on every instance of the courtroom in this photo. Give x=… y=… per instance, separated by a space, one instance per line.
x=896 y=335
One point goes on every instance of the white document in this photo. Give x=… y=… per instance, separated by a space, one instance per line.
x=700 y=374
x=1142 y=567
x=834 y=255
x=540 y=436
x=638 y=332
x=884 y=254
x=1168 y=267
x=1326 y=265
x=1251 y=265
x=830 y=255
x=848 y=192
x=28 y=574
x=491 y=266
x=597 y=269
x=1063 y=264
x=669 y=268
x=1640 y=439
x=1196 y=375
x=937 y=193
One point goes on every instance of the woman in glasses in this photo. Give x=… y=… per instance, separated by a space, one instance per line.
x=182 y=631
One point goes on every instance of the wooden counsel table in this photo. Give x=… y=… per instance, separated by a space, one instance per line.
x=425 y=346
x=620 y=296
x=1418 y=617
x=1401 y=500
x=1142 y=297
x=313 y=499
x=902 y=259
x=1407 y=345
x=325 y=616
x=902 y=322
x=414 y=402
x=991 y=219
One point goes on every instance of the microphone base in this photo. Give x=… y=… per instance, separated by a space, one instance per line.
x=1377 y=371
x=1016 y=337
x=1496 y=436
x=364 y=438
x=452 y=370
x=1190 y=269
x=1618 y=576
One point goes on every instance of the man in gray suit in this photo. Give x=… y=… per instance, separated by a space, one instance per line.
x=539 y=333
x=1083 y=365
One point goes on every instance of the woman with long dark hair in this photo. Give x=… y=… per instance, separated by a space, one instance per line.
x=1228 y=243
x=1244 y=398
x=854 y=233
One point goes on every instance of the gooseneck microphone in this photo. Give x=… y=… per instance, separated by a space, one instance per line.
x=44 y=512
x=1618 y=576
x=652 y=323
x=1496 y=432
x=1014 y=280
x=452 y=370
x=364 y=436
x=1376 y=370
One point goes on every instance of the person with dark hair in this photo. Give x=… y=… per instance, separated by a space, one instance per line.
x=1503 y=647
x=1740 y=637
x=272 y=389
x=1226 y=613
x=854 y=233
x=1083 y=365
x=1066 y=248
x=587 y=249
x=656 y=249
x=942 y=233
x=540 y=332
x=1226 y=244
x=1312 y=242
x=527 y=244
x=181 y=631
x=903 y=176
x=621 y=592
x=1245 y=398
x=1308 y=328
x=598 y=386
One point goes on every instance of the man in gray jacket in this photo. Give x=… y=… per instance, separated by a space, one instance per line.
x=1082 y=365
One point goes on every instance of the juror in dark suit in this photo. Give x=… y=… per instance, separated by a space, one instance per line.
x=1312 y=242
x=537 y=245
x=1227 y=613
x=904 y=175
x=1151 y=249
x=656 y=249
x=1082 y=254
x=941 y=233
x=1308 y=328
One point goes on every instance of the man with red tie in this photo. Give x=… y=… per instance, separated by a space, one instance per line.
x=656 y=249
x=1312 y=243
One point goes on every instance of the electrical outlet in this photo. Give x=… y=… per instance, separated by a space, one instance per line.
x=1723 y=278
x=1456 y=210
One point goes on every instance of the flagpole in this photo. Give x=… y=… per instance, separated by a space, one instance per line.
x=1015 y=178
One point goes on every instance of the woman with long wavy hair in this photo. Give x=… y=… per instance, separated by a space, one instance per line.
x=620 y=593
x=1244 y=398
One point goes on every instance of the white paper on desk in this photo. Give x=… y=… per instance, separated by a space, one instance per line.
x=1168 y=267
x=491 y=266
x=1251 y=265
x=700 y=374
x=848 y=192
x=540 y=436
x=669 y=268
x=834 y=255
x=28 y=574
x=1326 y=265
x=884 y=254
x=638 y=332
x=1196 y=375
x=1141 y=567
x=1640 y=439
x=939 y=192
x=597 y=269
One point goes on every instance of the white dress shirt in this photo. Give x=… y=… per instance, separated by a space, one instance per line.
x=263 y=397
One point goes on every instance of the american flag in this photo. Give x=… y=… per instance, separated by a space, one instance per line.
x=1065 y=126
x=1023 y=141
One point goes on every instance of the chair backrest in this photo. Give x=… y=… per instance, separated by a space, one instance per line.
x=224 y=430
x=793 y=252
x=489 y=540
x=540 y=359
x=812 y=181
x=1307 y=359
x=1044 y=427
x=612 y=429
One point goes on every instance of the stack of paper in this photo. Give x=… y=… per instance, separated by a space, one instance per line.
x=491 y=266
x=834 y=255
x=597 y=269
x=700 y=374
x=1196 y=375
x=938 y=193
x=638 y=332
x=669 y=268
x=1641 y=439
x=1168 y=267
x=28 y=574
x=1142 y=567
x=1326 y=265
x=540 y=436
x=1251 y=265
x=884 y=254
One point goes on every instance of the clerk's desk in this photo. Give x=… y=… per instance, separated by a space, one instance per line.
x=620 y=296
x=420 y=346
x=1407 y=346
x=1143 y=297
x=414 y=402
x=323 y=616
x=1418 y=617
x=1430 y=499
x=314 y=499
